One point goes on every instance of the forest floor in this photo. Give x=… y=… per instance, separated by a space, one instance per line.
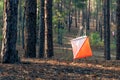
x=56 y=69
x=62 y=66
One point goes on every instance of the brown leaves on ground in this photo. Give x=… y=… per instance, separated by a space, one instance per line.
x=50 y=69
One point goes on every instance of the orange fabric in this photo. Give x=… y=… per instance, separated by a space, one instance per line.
x=85 y=50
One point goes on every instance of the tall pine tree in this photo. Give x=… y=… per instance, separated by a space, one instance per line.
x=118 y=30
x=30 y=28
x=42 y=31
x=48 y=29
x=8 y=51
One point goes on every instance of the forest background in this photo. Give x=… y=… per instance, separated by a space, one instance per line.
x=97 y=19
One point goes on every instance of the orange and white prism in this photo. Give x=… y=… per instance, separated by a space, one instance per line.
x=81 y=47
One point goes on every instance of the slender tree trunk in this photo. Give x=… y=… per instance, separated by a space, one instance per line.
x=59 y=40
x=48 y=29
x=76 y=15
x=42 y=31
x=97 y=16
x=19 y=20
x=88 y=19
x=118 y=30
x=8 y=51
x=107 y=29
x=23 y=24
x=83 y=21
x=100 y=26
x=30 y=28
x=88 y=26
x=69 y=15
x=60 y=27
x=38 y=21
x=108 y=57
x=59 y=34
x=83 y=16
x=104 y=12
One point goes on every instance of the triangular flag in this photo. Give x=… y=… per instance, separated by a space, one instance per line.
x=81 y=47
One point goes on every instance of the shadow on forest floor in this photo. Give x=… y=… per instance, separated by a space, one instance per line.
x=50 y=69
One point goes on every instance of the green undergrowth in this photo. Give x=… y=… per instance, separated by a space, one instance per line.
x=95 y=40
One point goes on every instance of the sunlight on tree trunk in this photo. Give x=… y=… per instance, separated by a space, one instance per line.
x=48 y=29
x=9 y=54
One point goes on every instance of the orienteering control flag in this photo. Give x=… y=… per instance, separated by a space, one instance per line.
x=81 y=47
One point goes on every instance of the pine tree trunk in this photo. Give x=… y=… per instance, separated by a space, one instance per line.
x=104 y=13
x=69 y=15
x=60 y=24
x=9 y=53
x=88 y=19
x=23 y=25
x=48 y=29
x=107 y=30
x=88 y=16
x=76 y=14
x=118 y=30
x=97 y=16
x=19 y=20
x=30 y=28
x=42 y=31
x=100 y=26
x=108 y=57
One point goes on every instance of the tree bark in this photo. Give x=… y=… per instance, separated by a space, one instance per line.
x=104 y=13
x=108 y=57
x=88 y=16
x=23 y=25
x=9 y=53
x=30 y=28
x=48 y=29
x=76 y=14
x=88 y=19
x=42 y=31
x=69 y=15
x=107 y=29
x=19 y=20
x=118 y=30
